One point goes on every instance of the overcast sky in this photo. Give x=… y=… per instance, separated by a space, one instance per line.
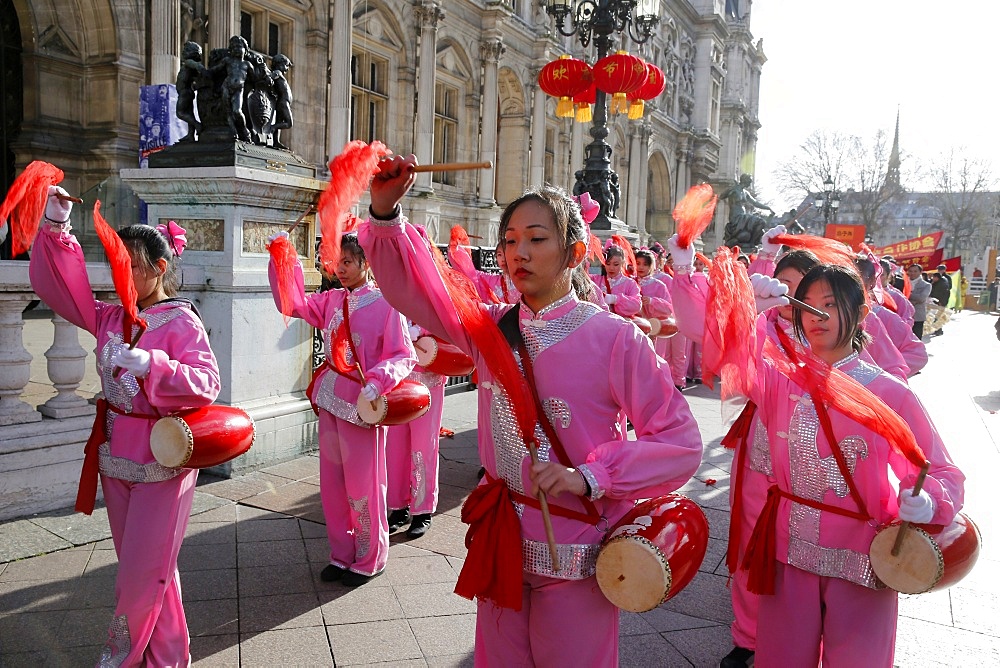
x=847 y=66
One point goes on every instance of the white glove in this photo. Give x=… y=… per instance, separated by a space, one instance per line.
x=918 y=509
x=136 y=360
x=768 y=292
x=767 y=246
x=3 y=230
x=683 y=257
x=370 y=392
x=274 y=236
x=610 y=298
x=414 y=332
x=57 y=210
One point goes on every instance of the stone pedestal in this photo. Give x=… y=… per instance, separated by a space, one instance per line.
x=229 y=212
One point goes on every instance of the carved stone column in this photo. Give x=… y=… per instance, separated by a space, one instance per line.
x=536 y=164
x=490 y=50
x=428 y=14
x=15 y=360
x=164 y=41
x=223 y=22
x=338 y=105
x=67 y=364
x=647 y=131
x=636 y=160
x=577 y=156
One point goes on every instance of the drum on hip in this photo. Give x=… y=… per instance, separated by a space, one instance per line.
x=931 y=556
x=202 y=437
x=662 y=328
x=407 y=401
x=652 y=553
x=442 y=357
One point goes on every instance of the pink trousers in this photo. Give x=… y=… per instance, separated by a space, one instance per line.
x=352 y=485
x=811 y=617
x=148 y=521
x=676 y=355
x=753 y=493
x=561 y=623
x=412 y=460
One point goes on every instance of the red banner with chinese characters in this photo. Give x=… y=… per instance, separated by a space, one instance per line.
x=918 y=250
x=850 y=235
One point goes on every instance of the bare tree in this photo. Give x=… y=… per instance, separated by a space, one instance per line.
x=963 y=186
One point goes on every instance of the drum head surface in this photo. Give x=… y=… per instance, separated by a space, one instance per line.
x=172 y=442
x=654 y=326
x=372 y=415
x=918 y=566
x=632 y=574
x=427 y=349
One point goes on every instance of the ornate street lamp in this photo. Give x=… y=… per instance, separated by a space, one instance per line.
x=600 y=20
x=828 y=201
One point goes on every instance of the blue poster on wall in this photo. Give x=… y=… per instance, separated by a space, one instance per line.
x=159 y=126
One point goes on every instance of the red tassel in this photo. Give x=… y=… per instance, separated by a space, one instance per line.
x=25 y=203
x=727 y=351
x=285 y=258
x=740 y=430
x=761 y=550
x=694 y=213
x=121 y=272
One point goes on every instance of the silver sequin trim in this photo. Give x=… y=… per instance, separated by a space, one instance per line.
x=760 y=449
x=418 y=493
x=595 y=490
x=538 y=339
x=363 y=527
x=833 y=562
x=118 y=645
x=576 y=562
x=118 y=391
x=428 y=378
x=125 y=469
x=386 y=223
x=331 y=403
x=558 y=412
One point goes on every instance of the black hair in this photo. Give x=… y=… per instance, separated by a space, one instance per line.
x=148 y=246
x=800 y=259
x=648 y=255
x=867 y=270
x=349 y=245
x=568 y=222
x=613 y=251
x=848 y=295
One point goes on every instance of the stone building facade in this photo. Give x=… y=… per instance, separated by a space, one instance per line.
x=448 y=81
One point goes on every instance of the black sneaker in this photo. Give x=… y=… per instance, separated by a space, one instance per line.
x=419 y=526
x=332 y=573
x=398 y=518
x=352 y=579
x=740 y=657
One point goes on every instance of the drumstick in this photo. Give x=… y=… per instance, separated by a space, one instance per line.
x=906 y=525
x=69 y=198
x=300 y=219
x=453 y=166
x=543 y=502
x=806 y=307
x=420 y=348
x=118 y=370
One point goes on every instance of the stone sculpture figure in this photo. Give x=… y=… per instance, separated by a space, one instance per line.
x=745 y=227
x=237 y=69
x=282 y=96
x=187 y=77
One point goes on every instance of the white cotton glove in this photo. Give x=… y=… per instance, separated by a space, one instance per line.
x=918 y=509
x=370 y=392
x=57 y=210
x=767 y=246
x=274 y=236
x=683 y=257
x=414 y=332
x=3 y=231
x=610 y=298
x=768 y=292
x=136 y=360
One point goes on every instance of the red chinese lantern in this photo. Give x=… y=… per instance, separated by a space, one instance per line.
x=618 y=75
x=564 y=78
x=583 y=103
x=654 y=86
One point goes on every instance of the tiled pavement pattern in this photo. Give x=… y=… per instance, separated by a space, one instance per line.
x=255 y=546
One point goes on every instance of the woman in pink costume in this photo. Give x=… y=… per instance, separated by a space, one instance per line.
x=910 y=348
x=814 y=576
x=621 y=292
x=655 y=297
x=171 y=368
x=352 y=458
x=412 y=458
x=588 y=367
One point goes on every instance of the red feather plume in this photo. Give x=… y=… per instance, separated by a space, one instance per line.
x=704 y=259
x=694 y=213
x=121 y=273
x=350 y=174
x=461 y=259
x=728 y=350
x=827 y=251
x=25 y=203
x=595 y=250
x=285 y=258
x=626 y=247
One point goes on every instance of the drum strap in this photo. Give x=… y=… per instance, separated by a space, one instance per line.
x=511 y=328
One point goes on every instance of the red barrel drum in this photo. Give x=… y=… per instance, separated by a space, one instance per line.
x=442 y=357
x=407 y=401
x=202 y=437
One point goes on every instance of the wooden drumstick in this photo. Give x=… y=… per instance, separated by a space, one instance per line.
x=300 y=219
x=420 y=348
x=453 y=166
x=546 y=516
x=69 y=198
x=906 y=525
x=806 y=307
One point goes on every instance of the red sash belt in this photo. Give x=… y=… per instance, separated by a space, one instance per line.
x=86 y=494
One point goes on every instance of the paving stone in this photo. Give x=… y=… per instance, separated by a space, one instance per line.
x=453 y=661
x=225 y=513
x=663 y=619
x=206 y=557
x=976 y=610
x=208 y=585
x=103 y=563
x=363 y=604
x=216 y=651
x=278 y=553
x=648 y=651
x=445 y=636
x=30 y=631
x=280 y=611
x=312 y=529
x=701 y=646
x=74 y=527
x=22 y=538
x=242 y=487
x=421 y=570
x=633 y=624
x=706 y=597
x=214 y=617
x=85 y=627
x=94 y=591
x=21 y=596
x=296 y=469
x=292 y=498
x=446 y=536
x=306 y=646
x=50 y=567
x=371 y=642
x=31 y=659
x=428 y=600
x=266 y=580
x=204 y=502
x=277 y=528
x=72 y=657
x=211 y=533
x=318 y=550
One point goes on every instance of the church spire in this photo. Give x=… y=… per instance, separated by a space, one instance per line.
x=892 y=172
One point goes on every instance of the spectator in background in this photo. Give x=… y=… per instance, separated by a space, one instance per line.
x=920 y=292
x=940 y=294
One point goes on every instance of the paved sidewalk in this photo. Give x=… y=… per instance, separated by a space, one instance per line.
x=251 y=560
